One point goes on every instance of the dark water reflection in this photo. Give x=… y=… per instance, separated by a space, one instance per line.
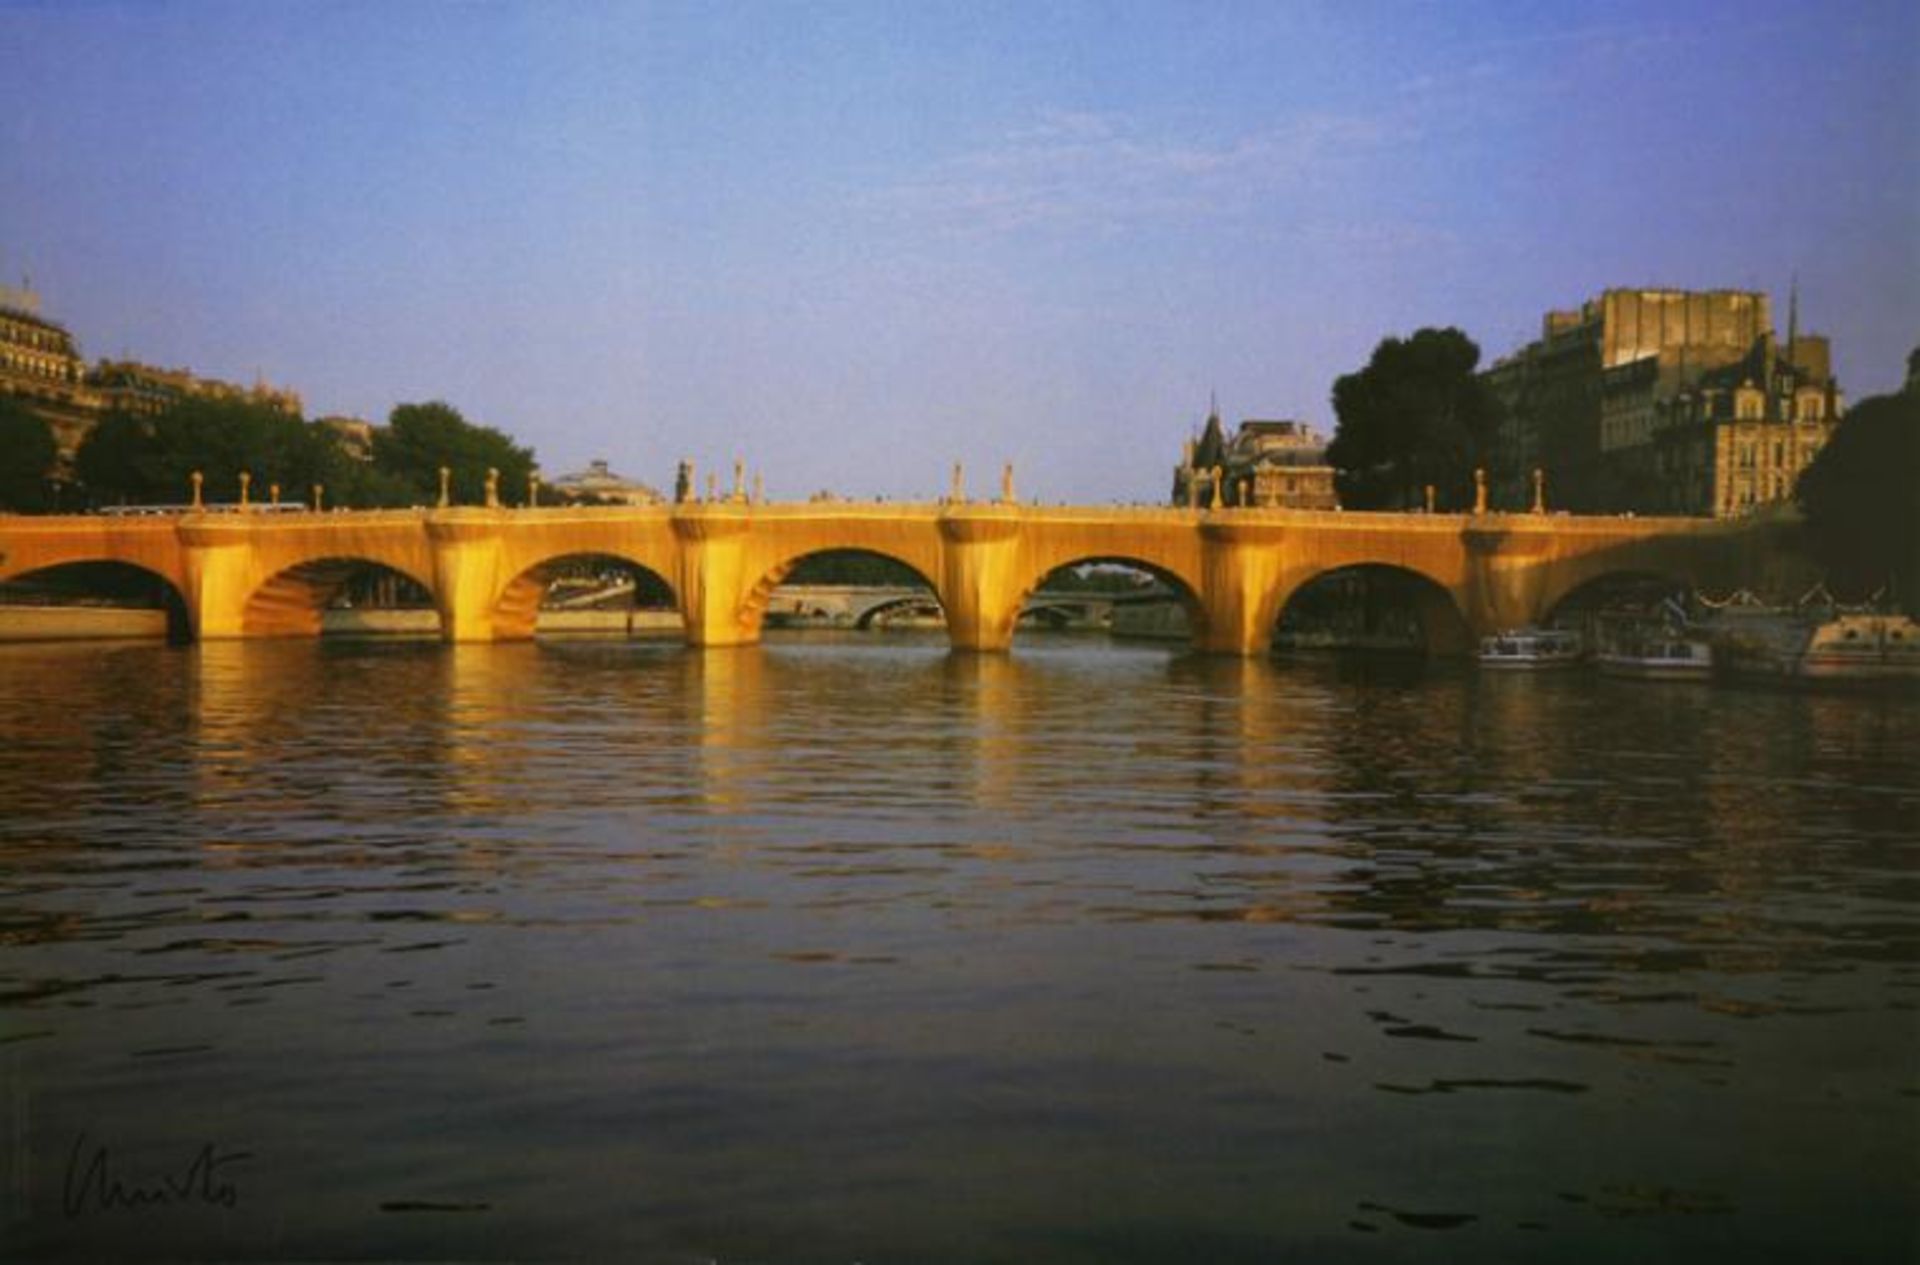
x=854 y=950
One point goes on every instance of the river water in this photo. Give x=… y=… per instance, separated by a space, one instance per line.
x=848 y=949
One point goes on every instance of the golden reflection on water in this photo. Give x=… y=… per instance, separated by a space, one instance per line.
x=730 y=685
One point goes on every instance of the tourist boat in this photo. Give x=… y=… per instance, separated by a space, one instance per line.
x=1660 y=645
x=1530 y=649
x=1666 y=657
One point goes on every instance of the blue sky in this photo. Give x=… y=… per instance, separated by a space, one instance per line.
x=852 y=244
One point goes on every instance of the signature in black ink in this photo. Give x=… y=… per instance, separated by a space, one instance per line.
x=92 y=1183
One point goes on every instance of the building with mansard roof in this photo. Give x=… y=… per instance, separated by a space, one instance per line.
x=1664 y=401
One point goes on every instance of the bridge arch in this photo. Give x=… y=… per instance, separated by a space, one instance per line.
x=1174 y=586
x=292 y=601
x=880 y=611
x=516 y=613
x=1369 y=605
x=100 y=584
x=1632 y=588
x=896 y=569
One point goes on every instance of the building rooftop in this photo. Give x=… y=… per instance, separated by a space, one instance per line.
x=600 y=481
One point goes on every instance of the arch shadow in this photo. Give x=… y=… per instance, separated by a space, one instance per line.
x=1630 y=589
x=293 y=601
x=586 y=591
x=1169 y=610
x=892 y=571
x=96 y=585
x=1370 y=606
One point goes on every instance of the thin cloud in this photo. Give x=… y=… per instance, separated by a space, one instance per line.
x=1104 y=171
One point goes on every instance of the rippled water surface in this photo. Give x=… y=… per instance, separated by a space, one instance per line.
x=852 y=950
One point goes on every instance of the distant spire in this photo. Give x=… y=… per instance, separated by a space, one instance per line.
x=1213 y=403
x=1793 y=316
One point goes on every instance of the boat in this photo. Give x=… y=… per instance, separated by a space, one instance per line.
x=1530 y=649
x=1818 y=642
x=1661 y=645
x=1659 y=658
x=1863 y=646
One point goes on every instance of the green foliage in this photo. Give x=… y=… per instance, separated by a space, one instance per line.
x=420 y=438
x=1861 y=496
x=130 y=459
x=120 y=462
x=1415 y=415
x=355 y=484
x=28 y=451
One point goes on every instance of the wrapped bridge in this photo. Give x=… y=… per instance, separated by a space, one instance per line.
x=242 y=573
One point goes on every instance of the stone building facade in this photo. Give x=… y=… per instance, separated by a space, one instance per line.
x=40 y=366
x=1664 y=401
x=132 y=387
x=1737 y=437
x=1266 y=464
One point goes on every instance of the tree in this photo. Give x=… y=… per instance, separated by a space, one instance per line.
x=1861 y=496
x=420 y=438
x=1416 y=415
x=354 y=483
x=118 y=461
x=150 y=460
x=28 y=452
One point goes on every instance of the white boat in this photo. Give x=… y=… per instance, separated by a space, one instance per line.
x=1530 y=649
x=1862 y=647
x=1661 y=658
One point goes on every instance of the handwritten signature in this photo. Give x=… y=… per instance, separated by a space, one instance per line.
x=93 y=1184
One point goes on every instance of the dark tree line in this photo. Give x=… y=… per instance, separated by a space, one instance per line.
x=1861 y=497
x=136 y=459
x=27 y=453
